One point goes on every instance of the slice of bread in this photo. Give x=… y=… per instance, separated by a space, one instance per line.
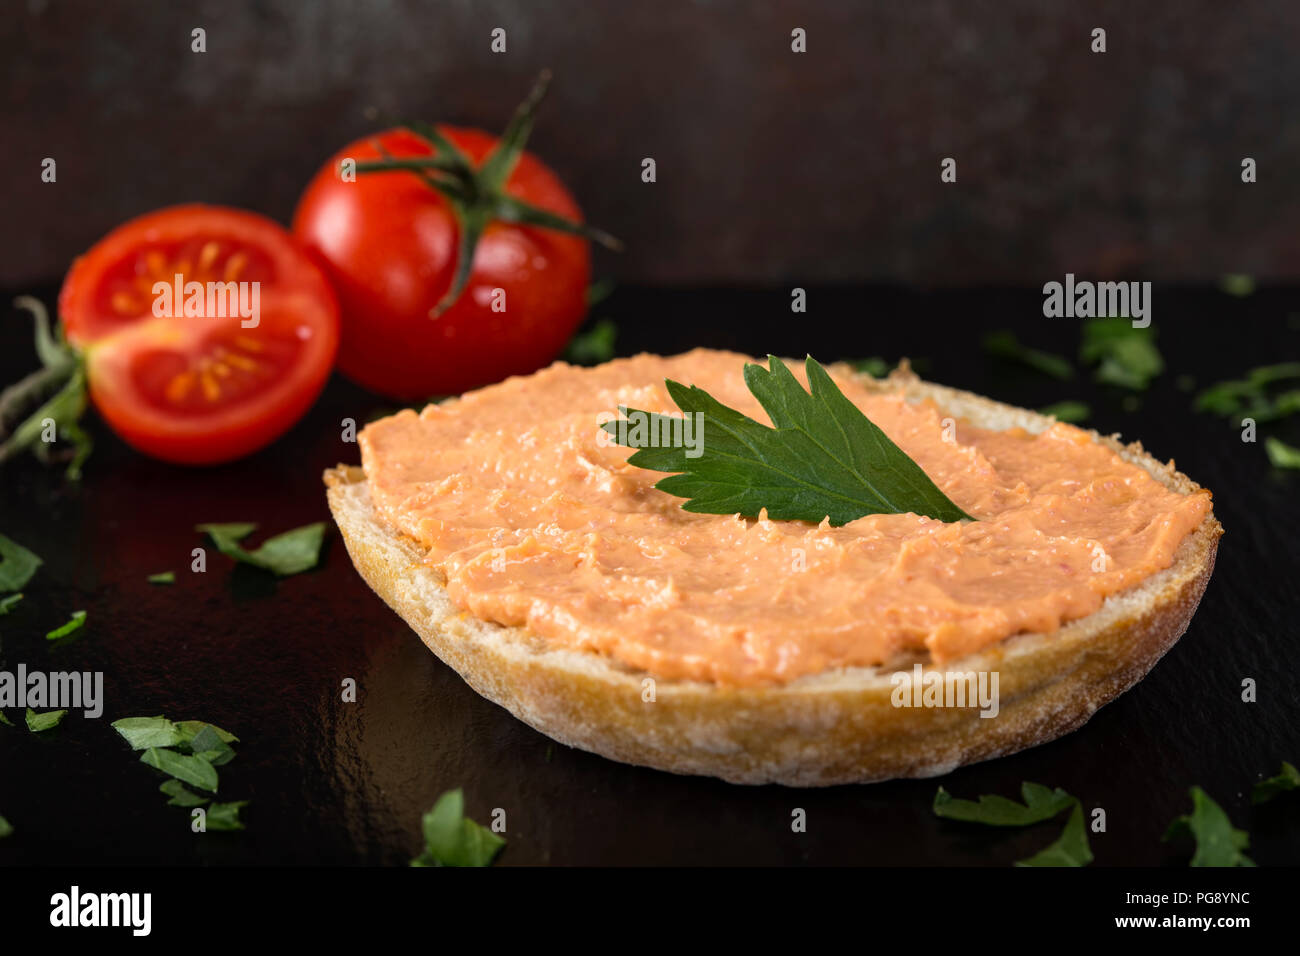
x=836 y=727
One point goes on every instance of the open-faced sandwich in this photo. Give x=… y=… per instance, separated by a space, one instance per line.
x=810 y=604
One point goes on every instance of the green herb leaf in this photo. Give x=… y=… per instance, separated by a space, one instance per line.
x=874 y=366
x=452 y=840
x=162 y=577
x=599 y=291
x=1237 y=284
x=191 y=728
x=1068 y=411
x=77 y=621
x=1288 y=778
x=207 y=743
x=6 y=828
x=1069 y=849
x=824 y=458
x=1217 y=842
x=1041 y=803
x=1127 y=354
x=180 y=795
x=188 y=768
x=1267 y=374
x=1004 y=344
x=288 y=553
x=46 y=721
x=145 y=732
x=225 y=816
x=5 y=720
x=17 y=565
x=1227 y=398
x=1280 y=454
x=8 y=601
x=594 y=346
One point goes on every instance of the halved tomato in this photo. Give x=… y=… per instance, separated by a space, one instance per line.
x=207 y=331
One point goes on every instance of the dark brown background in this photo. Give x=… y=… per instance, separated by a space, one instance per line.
x=773 y=167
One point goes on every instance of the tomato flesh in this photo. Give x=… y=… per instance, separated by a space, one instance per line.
x=211 y=378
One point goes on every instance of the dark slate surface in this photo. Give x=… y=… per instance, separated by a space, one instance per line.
x=771 y=164
x=334 y=783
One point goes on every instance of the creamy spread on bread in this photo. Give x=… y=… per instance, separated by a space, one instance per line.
x=535 y=519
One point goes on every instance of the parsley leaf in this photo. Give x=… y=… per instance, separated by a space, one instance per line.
x=1237 y=284
x=1249 y=397
x=180 y=795
x=1218 y=843
x=75 y=623
x=46 y=721
x=225 y=816
x=6 y=828
x=1069 y=849
x=452 y=840
x=1067 y=411
x=594 y=346
x=1280 y=454
x=1040 y=804
x=1004 y=344
x=190 y=730
x=5 y=720
x=823 y=459
x=1127 y=354
x=209 y=745
x=872 y=365
x=162 y=577
x=17 y=565
x=188 y=768
x=291 y=552
x=9 y=601
x=145 y=732
x=1288 y=778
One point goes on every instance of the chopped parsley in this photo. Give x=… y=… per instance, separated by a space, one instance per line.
x=37 y=723
x=594 y=345
x=1288 y=778
x=1068 y=411
x=1040 y=803
x=1280 y=454
x=1218 y=843
x=17 y=565
x=290 y=552
x=1125 y=355
x=75 y=623
x=1004 y=344
x=162 y=577
x=452 y=840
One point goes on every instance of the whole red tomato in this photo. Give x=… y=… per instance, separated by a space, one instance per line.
x=389 y=242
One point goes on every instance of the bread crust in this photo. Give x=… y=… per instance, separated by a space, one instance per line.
x=836 y=727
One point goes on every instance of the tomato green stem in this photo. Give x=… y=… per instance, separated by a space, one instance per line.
x=477 y=196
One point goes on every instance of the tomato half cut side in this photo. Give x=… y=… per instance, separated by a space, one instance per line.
x=207 y=332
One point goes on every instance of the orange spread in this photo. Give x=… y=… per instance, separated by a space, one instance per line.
x=536 y=520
